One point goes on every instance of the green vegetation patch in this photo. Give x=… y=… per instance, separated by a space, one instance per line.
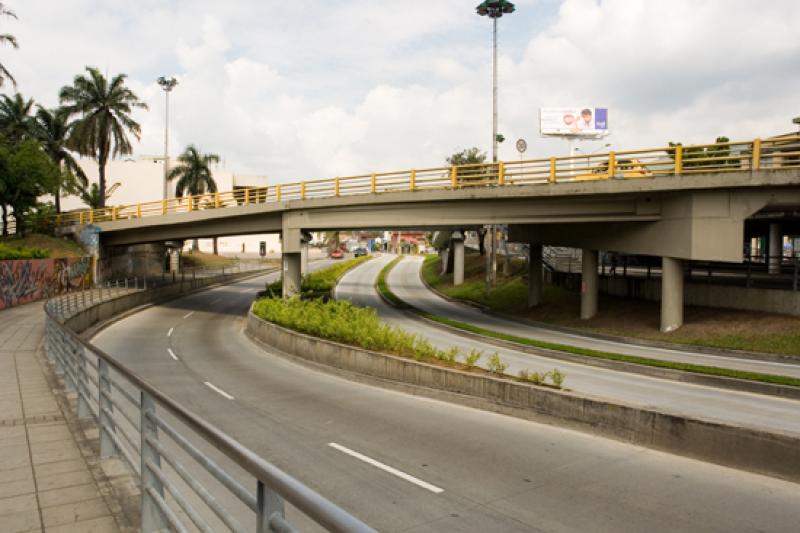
x=20 y=252
x=320 y=284
x=383 y=286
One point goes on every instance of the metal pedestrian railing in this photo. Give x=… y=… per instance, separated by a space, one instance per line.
x=757 y=154
x=156 y=435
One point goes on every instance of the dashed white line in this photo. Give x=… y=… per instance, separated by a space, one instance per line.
x=386 y=468
x=172 y=354
x=169 y=333
x=218 y=390
x=187 y=315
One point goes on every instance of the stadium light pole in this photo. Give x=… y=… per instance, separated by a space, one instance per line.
x=167 y=84
x=494 y=9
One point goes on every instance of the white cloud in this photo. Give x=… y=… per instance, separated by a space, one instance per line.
x=316 y=89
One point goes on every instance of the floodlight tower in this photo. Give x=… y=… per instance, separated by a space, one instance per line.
x=167 y=84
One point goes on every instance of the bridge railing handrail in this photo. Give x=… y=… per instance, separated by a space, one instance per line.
x=755 y=154
x=69 y=352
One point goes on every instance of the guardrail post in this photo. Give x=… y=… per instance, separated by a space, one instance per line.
x=113 y=213
x=612 y=164
x=413 y=180
x=91 y=216
x=756 y=165
x=84 y=411
x=247 y=195
x=454 y=177
x=501 y=173
x=216 y=200
x=678 y=159
x=80 y=218
x=374 y=183
x=106 y=418
x=152 y=519
x=336 y=186
x=302 y=190
x=138 y=210
x=277 y=193
x=552 y=177
x=268 y=504
x=163 y=207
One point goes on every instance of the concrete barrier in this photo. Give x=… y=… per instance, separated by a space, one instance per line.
x=755 y=450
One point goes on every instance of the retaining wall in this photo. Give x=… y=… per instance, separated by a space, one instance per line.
x=27 y=280
x=750 y=449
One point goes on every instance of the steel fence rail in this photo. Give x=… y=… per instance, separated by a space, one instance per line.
x=101 y=383
x=752 y=155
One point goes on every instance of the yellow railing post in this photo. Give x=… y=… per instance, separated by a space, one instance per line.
x=114 y=212
x=80 y=218
x=756 y=154
x=454 y=177
x=277 y=193
x=501 y=173
x=678 y=159
x=302 y=190
x=216 y=200
x=374 y=183
x=138 y=210
x=413 y=180
x=91 y=216
x=552 y=177
x=336 y=185
x=163 y=207
x=612 y=164
x=247 y=195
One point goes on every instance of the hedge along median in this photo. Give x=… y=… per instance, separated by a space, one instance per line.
x=775 y=385
x=755 y=450
x=320 y=284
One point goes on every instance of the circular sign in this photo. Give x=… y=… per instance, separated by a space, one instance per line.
x=521 y=145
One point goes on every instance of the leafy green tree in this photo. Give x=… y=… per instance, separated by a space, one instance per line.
x=6 y=38
x=90 y=194
x=53 y=128
x=694 y=156
x=470 y=156
x=16 y=122
x=194 y=176
x=104 y=109
x=26 y=173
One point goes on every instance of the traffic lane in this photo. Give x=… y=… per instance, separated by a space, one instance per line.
x=431 y=302
x=290 y=414
x=722 y=405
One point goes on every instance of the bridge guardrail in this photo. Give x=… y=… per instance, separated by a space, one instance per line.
x=133 y=418
x=756 y=154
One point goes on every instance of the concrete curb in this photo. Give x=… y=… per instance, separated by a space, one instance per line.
x=774 y=454
x=741 y=385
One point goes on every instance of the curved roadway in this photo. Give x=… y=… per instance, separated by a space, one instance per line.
x=495 y=473
x=754 y=410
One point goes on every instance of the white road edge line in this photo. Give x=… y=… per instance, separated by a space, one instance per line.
x=172 y=354
x=386 y=468
x=169 y=333
x=218 y=390
x=187 y=315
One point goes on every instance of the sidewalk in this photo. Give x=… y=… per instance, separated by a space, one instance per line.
x=49 y=475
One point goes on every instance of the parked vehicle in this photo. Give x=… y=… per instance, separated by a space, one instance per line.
x=358 y=252
x=336 y=254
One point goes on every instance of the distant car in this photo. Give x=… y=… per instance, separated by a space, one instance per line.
x=336 y=254
x=626 y=169
x=358 y=252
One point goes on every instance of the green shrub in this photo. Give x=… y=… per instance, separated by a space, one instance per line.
x=557 y=377
x=472 y=359
x=319 y=284
x=20 y=252
x=496 y=365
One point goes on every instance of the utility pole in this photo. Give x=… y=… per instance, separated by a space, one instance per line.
x=167 y=84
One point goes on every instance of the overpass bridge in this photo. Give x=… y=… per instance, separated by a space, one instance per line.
x=678 y=203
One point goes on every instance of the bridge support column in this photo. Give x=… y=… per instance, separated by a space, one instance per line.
x=534 y=275
x=457 y=242
x=671 y=294
x=775 y=248
x=589 y=284
x=292 y=278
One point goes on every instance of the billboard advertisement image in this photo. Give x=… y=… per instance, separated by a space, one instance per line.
x=574 y=121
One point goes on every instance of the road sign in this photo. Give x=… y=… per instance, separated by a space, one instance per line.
x=521 y=146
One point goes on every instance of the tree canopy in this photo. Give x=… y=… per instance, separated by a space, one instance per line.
x=26 y=173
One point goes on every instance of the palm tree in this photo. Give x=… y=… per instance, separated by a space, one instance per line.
x=90 y=194
x=16 y=122
x=194 y=176
x=7 y=38
x=105 y=117
x=53 y=128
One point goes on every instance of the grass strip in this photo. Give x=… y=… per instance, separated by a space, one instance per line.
x=383 y=287
x=387 y=293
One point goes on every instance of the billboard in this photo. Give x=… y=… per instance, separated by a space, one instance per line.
x=574 y=121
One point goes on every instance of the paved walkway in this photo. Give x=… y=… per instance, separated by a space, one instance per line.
x=46 y=476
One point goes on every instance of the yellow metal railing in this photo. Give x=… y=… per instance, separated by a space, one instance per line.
x=757 y=154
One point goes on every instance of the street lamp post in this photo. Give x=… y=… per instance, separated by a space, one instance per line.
x=494 y=9
x=167 y=84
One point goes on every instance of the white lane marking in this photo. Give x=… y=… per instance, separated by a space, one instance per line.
x=169 y=333
x=187 y=315
x=218 y=390
x=387 y=468
x=172 y=354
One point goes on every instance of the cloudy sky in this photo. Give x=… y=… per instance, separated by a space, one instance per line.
x=312 y=89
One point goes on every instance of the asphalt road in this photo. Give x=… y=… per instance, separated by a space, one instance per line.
x=754 y=410
x=474 y=470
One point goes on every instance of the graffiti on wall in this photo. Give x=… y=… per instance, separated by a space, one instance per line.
x=28 y=280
